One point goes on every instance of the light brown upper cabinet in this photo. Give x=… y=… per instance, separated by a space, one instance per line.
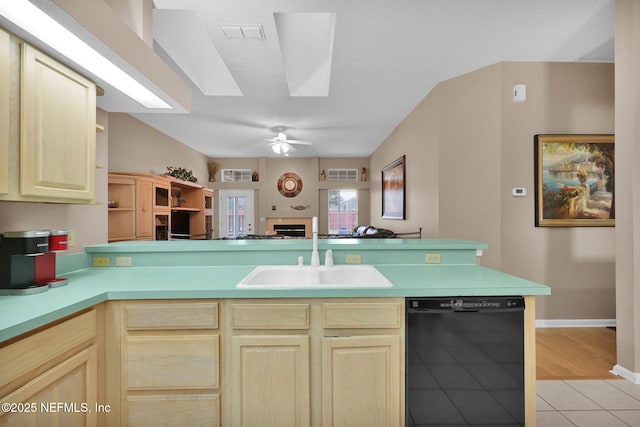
x=4 y=112
x=57 y=130
x=47 y=127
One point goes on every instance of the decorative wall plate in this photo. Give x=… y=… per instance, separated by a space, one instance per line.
x=289 y=184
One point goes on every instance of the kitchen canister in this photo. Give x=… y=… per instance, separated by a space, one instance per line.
x=58 y=240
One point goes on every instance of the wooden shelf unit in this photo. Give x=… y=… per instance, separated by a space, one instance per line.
x=163 y=208
x=187 y=210
x=122 y=218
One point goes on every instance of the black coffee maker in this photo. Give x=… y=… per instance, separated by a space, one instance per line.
x=18 y=250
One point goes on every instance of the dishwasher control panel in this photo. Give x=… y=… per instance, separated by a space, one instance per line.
x=441 y=304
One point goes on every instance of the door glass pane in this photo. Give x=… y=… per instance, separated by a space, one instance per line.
x=236 y=216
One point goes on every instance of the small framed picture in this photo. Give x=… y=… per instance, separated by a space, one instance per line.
x=393 y=190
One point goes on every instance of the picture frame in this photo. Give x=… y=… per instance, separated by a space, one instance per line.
x=574 y=180
x=393 y=189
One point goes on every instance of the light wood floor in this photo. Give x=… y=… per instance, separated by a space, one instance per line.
x=575 y=353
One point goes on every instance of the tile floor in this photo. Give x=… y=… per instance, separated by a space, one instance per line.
x=588 y=403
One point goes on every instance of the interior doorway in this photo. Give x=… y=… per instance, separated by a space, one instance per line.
x=236 y=213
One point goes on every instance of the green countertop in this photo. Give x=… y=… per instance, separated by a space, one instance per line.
x=211 y=269
x=94 y=285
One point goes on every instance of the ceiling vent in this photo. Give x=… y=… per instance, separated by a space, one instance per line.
x=243 y=32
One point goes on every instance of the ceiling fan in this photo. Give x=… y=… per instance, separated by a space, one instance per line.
x=281 y=144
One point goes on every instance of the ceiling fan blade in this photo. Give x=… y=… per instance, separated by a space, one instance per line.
x=299 y=142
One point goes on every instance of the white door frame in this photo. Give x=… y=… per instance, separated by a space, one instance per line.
x=223 y=195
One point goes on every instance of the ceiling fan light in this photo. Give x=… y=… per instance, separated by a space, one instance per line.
x=276 y=148
x=285 y=148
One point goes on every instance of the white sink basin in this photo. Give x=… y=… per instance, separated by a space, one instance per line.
x=302 y=277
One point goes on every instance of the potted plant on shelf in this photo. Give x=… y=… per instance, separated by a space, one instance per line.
x=181 y=173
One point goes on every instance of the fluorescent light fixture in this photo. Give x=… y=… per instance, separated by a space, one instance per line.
x=46 y=29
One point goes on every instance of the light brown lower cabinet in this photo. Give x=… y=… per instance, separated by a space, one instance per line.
x=361 y=381
x=50 y=378
x=315 y=362
x=164 y=366
x=269 y=379
x=65 y=395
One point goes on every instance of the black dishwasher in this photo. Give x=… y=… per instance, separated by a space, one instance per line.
x=465 y=361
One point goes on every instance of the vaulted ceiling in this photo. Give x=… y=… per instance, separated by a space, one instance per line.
x=344 y=73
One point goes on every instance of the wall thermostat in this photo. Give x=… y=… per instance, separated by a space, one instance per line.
x=518 y=191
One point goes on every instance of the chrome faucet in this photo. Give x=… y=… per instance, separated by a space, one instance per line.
x=315 y=258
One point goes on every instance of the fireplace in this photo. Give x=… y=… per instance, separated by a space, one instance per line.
x=290 y=227
x=289 y=230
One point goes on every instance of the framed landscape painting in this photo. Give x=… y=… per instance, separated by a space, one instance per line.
x=574 y=180
x=393 y=190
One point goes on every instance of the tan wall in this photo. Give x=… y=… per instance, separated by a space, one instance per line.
x=88 y=221
x=137 y=147
x=484 y=146
x=579 y=263
x=469 y=158
x=417 y=138
x=627 y=179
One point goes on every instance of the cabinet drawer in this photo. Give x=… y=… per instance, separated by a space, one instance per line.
x=270 y=316
x=172 y=362
x=37 y=349
x=185 y=410
x=196 y=315
x=362 y=315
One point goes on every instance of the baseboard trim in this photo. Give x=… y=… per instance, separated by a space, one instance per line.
x=575 y=323
x=633 y=377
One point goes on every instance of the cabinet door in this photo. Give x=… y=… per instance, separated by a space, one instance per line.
x=4 y=112
x=361 y=381
x=161 y=196
x=270 y=381
x=57 y=130
x=72 y=383
x=144 y=209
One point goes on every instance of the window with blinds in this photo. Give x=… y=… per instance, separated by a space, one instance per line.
x=342 y=175
x=235 y=175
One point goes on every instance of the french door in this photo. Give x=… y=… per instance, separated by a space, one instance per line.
x=236 y=213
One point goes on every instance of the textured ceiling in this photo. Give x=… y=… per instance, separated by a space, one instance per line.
x=374 y=60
